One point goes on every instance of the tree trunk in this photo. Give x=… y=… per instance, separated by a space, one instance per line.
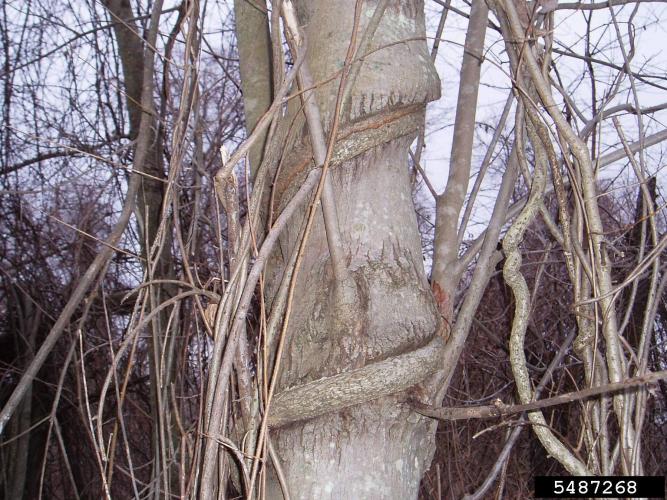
x=151 y=194
x=379 y=448
x=137 y=60
x=254 y=45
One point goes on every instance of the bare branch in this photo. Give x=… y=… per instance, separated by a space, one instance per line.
x=499 y=409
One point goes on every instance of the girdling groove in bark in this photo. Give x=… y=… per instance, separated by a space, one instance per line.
x=353 y=140
x=380 y=378
x=391 y=375
x=376 y=379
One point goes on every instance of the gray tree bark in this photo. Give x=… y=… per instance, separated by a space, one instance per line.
x=446 y=274
x=137 y=61
x=379 y=448
x=131 y=50
x=254 y=45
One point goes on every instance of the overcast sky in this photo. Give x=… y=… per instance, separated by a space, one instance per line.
x=570 y=29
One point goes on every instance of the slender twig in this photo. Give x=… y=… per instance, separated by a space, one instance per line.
x=600 y=5
x=79 y=292
x=625 y=107
x=419 y=168
x=275 y=460
x=499 y=409
x=263 y=123
x=322 y=151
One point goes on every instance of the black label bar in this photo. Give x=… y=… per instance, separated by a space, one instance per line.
x=600 y=487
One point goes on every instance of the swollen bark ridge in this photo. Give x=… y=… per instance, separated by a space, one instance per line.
x=337 y=403
x=377 y=379
x=341 y=391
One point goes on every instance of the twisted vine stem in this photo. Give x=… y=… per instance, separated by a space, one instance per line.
x=516 y=281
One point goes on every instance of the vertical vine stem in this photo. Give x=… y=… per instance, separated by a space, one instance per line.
x=580 y=159
x=516 y=281
x=322 y=151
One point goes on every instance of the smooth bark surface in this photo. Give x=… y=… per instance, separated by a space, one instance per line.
x=446 y=274
x=254 y=45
